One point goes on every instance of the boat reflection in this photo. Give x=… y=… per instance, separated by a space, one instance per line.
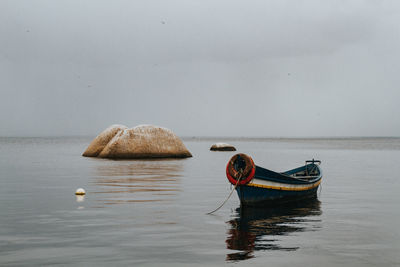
x=138 y=181
x=259 y=228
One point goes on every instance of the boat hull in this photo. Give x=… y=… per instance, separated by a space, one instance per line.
x=261 y=187
x=251 y=195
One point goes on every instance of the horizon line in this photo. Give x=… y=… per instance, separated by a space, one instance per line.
x=216 y=137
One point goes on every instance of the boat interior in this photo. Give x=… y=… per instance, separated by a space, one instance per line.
x=307 y=172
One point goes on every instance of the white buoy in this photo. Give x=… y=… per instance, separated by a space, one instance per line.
x=80 y=192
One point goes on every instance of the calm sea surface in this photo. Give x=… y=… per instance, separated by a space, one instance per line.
x=153 y=212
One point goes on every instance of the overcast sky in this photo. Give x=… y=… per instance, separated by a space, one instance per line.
x=200 y=68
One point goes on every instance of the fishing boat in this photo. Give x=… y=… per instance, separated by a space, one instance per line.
x=257 y=186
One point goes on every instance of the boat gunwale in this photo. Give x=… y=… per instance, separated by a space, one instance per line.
x=305 y=187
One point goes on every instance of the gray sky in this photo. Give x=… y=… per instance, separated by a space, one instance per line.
x=200 y=68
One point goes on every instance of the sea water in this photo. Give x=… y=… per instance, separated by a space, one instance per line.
x=153 y=212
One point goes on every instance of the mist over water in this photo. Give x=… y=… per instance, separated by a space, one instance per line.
x=152 y=212
x=201 y=68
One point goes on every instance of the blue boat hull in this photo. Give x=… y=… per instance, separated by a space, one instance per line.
x=256 y=196
x=261 y=186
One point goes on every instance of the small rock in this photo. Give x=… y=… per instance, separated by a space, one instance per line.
x=222 y=147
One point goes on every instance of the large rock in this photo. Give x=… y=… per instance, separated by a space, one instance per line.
x=100 y=142
x=143 y=141
x=222 y=147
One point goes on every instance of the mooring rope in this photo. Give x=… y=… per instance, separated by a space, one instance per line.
x=223 y=203
x=320 y=190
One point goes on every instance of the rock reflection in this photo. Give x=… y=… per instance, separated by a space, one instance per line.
x=258 y=228
x=138 y=181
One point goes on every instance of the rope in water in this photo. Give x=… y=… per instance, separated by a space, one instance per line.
x=320 y=190
x=223 y=203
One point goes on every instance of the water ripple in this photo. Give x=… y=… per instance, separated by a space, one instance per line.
x=256 y=229
x=121 y=182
